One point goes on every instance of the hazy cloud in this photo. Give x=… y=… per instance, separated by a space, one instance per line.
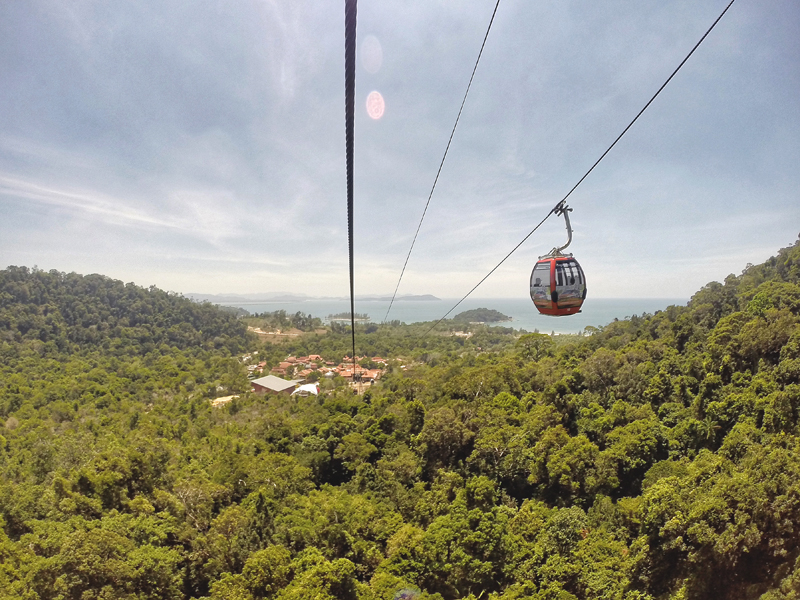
x=199 y=146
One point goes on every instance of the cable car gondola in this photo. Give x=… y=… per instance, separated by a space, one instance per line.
x=558 y=285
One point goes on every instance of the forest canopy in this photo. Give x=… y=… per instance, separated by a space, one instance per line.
x=657 y=458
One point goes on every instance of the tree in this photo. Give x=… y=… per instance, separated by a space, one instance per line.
x=534 y=346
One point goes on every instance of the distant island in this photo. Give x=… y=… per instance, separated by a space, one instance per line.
x=410 y=298
x=345 y=316
x=284 y=297
x=249 y=298
x=481 y=315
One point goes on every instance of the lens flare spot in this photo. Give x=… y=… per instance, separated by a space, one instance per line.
x=375 y=105
x=371 y=54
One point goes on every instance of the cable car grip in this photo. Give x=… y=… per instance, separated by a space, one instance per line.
x=561 y=209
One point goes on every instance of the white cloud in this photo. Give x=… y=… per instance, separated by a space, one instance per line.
x=94 y=206
x=201 y=147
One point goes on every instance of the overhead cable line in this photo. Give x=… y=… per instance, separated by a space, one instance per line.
x=485 y=277
x=441 y=164
x=585 y=175
x=350 y=10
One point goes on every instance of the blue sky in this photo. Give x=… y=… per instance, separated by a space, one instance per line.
x=199 y=146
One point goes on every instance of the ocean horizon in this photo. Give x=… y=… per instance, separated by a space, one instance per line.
x=596 y=312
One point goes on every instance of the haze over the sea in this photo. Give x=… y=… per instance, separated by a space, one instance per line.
x=596 y=312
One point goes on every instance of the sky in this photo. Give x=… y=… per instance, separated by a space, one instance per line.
x=199 y=145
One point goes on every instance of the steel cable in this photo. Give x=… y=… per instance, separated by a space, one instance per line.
x=350 y=10
x=441 y=164
x=597 y=162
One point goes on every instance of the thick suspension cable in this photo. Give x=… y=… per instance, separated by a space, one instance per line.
x=441 y=164
x=350 y=10
x=597 y=162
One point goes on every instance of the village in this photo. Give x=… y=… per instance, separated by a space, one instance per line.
x=300 y=374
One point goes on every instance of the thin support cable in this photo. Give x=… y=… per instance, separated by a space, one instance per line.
x=350 y=10
x=441 y=164
x=552 y=210
x=624 y=131
x=597 y=162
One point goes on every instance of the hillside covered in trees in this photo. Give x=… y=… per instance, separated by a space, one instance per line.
x=482 y=315
x=657 y=458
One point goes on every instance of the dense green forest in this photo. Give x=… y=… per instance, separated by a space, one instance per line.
x=280 y=319
x=657 y=458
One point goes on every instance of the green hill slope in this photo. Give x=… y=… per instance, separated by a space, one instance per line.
x=657 y=458
x=481 y=315
x=74 y=312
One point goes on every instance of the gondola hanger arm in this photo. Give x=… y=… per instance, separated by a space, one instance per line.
x=561 y=209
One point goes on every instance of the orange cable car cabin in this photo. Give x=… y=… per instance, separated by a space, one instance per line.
x=558 y=285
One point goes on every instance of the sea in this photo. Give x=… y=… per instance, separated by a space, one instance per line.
x=596 y=312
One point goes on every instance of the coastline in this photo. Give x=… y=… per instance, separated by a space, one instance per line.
x=597 y=312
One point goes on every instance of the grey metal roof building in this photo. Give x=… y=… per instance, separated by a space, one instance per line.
x=270 y=383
